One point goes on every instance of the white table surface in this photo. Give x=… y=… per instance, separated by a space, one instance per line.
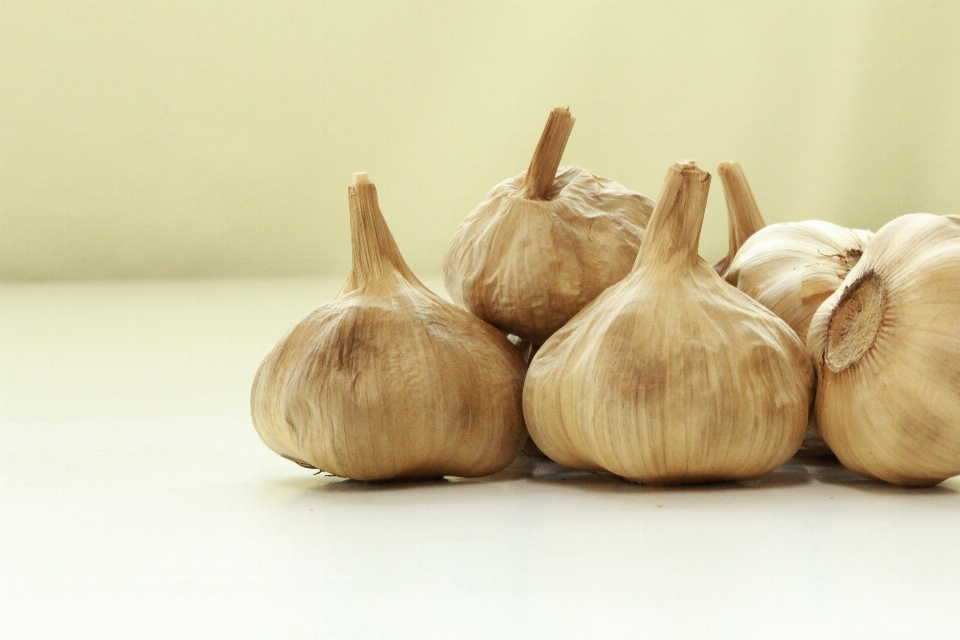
x=137 y=502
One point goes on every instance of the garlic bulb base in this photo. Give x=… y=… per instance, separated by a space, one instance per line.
x=853 y=325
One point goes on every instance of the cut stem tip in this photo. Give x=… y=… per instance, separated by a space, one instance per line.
x=673 y=234
x=546 y=158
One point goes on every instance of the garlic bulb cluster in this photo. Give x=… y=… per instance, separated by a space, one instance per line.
x=389 y=380
x=671 y=376
x=790 y=267
x=886 y=346
x=544 y=243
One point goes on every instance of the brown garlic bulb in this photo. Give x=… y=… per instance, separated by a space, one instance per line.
x=545 y=243
x=671 y=376
x=887 y=350
x=389 y=380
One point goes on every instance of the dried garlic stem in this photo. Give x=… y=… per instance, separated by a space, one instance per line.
x=375 y=252
x=546 y=159
x=744 y=218
x=674 y=231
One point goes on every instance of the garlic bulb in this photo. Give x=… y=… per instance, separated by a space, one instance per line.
x=790 y=267
x=743 y=214
x=887 y=350
x=389 y=380
x=544 y=243
x=671 y=376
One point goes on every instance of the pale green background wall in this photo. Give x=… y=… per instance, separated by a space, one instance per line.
x=157 y=139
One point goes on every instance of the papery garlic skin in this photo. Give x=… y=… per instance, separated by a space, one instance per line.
x=792 y=267
x=527 y=266
x=671 y=376
x=527 y=261
x=887 y=350
x=389 y=380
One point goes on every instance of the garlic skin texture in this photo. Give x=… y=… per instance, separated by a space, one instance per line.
x=389 y=380
x=886 y=346
x=545 y=243
x=792 y=267
x=671 y=376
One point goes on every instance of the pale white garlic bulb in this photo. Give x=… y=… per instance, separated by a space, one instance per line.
x=544 y=243
x=389 y=380
x=886 y=346
x=671 y=375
